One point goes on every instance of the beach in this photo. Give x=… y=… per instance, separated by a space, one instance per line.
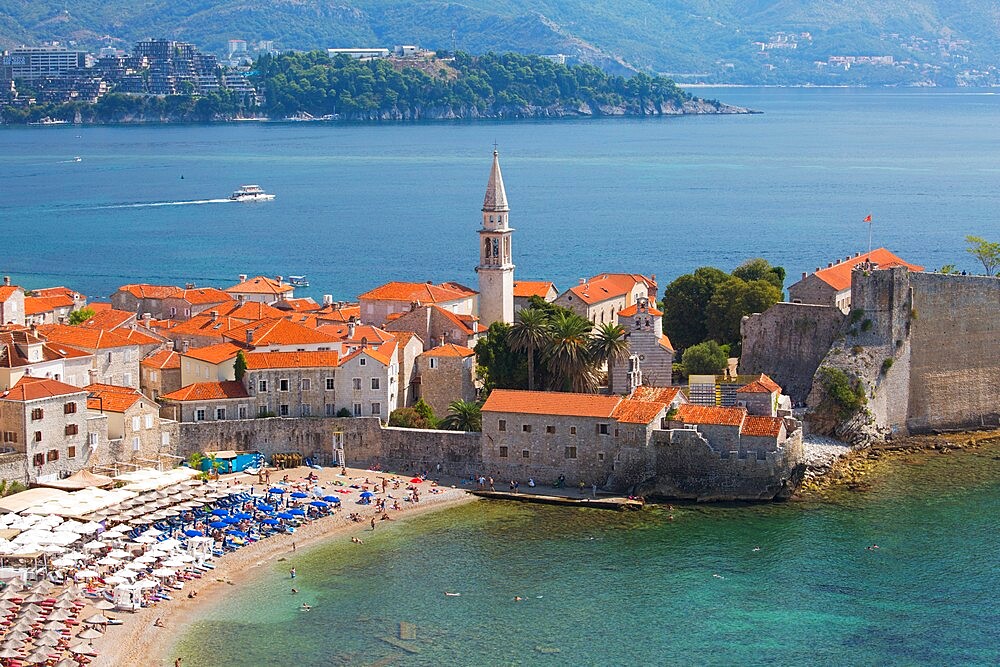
x=148 y=636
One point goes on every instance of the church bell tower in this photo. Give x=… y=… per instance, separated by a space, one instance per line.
x=496 y=269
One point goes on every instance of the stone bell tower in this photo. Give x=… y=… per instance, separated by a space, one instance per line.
x=496 y=269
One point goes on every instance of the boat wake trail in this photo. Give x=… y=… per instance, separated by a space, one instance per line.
x=166 y=203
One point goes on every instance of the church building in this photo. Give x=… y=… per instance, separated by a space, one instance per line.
x=496 y=268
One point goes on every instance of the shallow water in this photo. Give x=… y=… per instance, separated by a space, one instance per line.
x=607 y=588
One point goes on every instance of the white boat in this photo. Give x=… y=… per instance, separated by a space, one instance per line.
x=298 y=281
x=250 y=193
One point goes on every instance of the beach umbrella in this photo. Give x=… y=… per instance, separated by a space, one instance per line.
x=83 y=648
x=219 y=524
x=64 y=604
x=87 y=574
x=230 y=520
x=297 y=512
x=163 y=572
x=147 y=583
x=153 y=532
x=63 y=562
x=367 y=494
x=331 y=499
x=271 y=522
x=145 y=559
x=94 y=544
x=104 y=605
x=54 y=626
x=145 y=539
x=219 y=512
x=275 y=489
x=22 y=625
x=39 y=657
x=89 y=633
x=193 y=533
x=108 y=560
x=33 y=598
x=96 y=619
x=319 y=503
x=48 y=639
x=115 y=579
x=112 y=534
x=11 y=642
x=9 y=652
x=416 y=480
x=263 y=507
x=299 y=494
x=118 y=553
x=236 y=533
x=141 y=521
x=67 y=662
x=243 y=516
x=60 y=615
x=285 y=515
x=16 y=635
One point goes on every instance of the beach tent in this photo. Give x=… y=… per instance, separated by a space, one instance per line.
x=24 y=500
x=81 y=479
x=127 y=597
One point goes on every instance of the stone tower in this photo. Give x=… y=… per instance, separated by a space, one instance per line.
x=496 y=270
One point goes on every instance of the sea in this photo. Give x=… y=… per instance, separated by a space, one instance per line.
x=356 y=205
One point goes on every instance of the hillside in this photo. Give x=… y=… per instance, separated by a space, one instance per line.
x=745 y=41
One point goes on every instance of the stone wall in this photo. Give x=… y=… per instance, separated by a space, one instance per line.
x=788 y=342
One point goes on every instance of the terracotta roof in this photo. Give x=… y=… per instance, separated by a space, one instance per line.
x=838 y=276
x=111 y=398
x=144 y=291
x=709 y=414
x=297 y=305
x=634 y=308
x=762 y=385
x=550 y=403
x=207 y=391
x=261 y=285
x=35 y=305
x=631 y=411
x=664 y=395
x=496 y=195
x=404 y=337
x=333 y=314
x=373 y=336
x=108 y=319
x=163 y=359
x=306 y=319
x=98 y=306
x=203 y=325
x=762 y=426
x=529 y=288
x=419 y=292
x=384 y=354
x=82 y=337
x=277 y=332
x=32 y=389
x=249 y=311
x=213 y=354
x=199 y=296
x=608 y=286
x=665 y=343
x=56 y=291
x=262 y=360
x=7 y=290
x=138 y=337
x=449 y=350
x=11 y=355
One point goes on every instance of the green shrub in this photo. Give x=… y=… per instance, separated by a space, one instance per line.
x=856 y=315
x=344 y=412
x=866 y=325
x=847 y=394
x=857 y=349
x=886 y=365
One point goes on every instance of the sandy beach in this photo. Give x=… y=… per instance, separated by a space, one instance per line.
x=141 y=643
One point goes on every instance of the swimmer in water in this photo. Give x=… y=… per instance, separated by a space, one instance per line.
x=756 y=548
x=305 y=607
x=518 y=598
x=718 y=576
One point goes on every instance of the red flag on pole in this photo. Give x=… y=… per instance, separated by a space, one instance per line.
x=868 y=218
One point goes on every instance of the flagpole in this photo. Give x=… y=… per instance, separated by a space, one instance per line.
x=871 y=223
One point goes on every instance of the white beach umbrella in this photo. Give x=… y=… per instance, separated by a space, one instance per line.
x=153 y=532
x=164 y=572
x=108 y=560
x=145 y=559
x=118 y=553
x=145 y=539
x=87 y=574
x=63 y=561
x=93 y=545
x=147 y=583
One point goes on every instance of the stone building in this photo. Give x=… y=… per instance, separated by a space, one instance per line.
x=215 y=363
x=831 y=286
x=601 y=297
x=11 y=303
x=134 y=427
x=496 y=264
x=50 y=309
x=367 y=382
x=203 y=330
x=643 y=325
x=280 y=335
x=141 y=298
x=115 y=358
x=762 y=397
x=208 y=401
x=23 y=354
x=734 y=431
x=46 y=420
x=437 y=326
x=293 y=384
x=408 y=347
x=160 y=373
x=525 y=289
x=378 y=305
x=261 y=289
x=444 y=374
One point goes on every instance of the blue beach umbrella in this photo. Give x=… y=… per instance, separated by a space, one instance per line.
x=297 y=512
x=319 y=503
x=275 y=489
x=263 y=507
x=271 y=522
x=243 y=516
x=219 y=524
x=193 y=533
x=220 y=512
x=299 y=494
x=285 y=515
x=367 y=494
x=230 y=520
x=331 y=499
x=237 y=533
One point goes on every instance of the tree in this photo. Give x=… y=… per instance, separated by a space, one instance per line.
x=426 y=412
x=344 y=412
x=408 y=418
x=987 y=252
x=685 y=301
x=499 y=365
x=80 y=316
x=240 y=366
x=760 y=269
x=609 y=345
x=731 y=301
x=707 y=358
x=529 y=334
x=464 y=416
x=568 y=354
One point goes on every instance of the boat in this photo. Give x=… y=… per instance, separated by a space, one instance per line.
x=49 y=121
x=298 y=281
x=250 y=193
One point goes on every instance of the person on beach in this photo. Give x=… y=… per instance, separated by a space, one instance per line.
x=373 y=523
x=293 y=547
x=491 y=484
x=292 y=572
x=177 y=662
x=294 y=591
x=531 y=482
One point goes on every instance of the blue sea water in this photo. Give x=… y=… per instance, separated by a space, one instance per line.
x=361 y=204
x=607 y=588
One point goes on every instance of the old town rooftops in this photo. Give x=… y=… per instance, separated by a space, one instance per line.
x=449 y=350
x=84 y=338
x=163 y=360
x=551 y=403
x=36 y=305
x=838 y=275
x=665 y=395
x=631 y=411
x=419 y=292
x=762 y=385
x=261 y=285
x=530 y=288
x=111 y=398
x=709 y=415
x=33 y=389
x=276 y=332
x=208 y=391
x=214 y=354
x=610 y=286
x=271 y=360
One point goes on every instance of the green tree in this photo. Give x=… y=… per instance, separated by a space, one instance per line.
x=499 y=365
x=529 y=334
x=464 y=416
x=760 y=269
x=80 y=316
x=343 y=413
x=731 y=301
x=987 y=252
x=685 y=301
x=408 y=418
x=426 y=412
x=707 y=358
x=240 y=366
x=568 y=354
x=609 y=345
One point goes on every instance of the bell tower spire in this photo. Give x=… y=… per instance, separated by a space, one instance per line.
x=496 y=267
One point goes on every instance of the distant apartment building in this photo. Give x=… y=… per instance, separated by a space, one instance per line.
x=31 y=63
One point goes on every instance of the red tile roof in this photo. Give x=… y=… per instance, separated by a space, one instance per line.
x=55 y=291
x=277 y=332
x=263 y=360
x=404 y=337
x=214 y=354
x=83 y=338
x=333 y=314
x=32 y=389
x=665 y=343
x=111 y=398
x=200 y=296
x=204 y=325
x=108 y=319
x=664 y=395
x=755 y=425
x=303 y=305
x=762 y=385
x=144 y=291
x=609 y=286
x=163 y=359
x=550 y=403
x=208 y=391
x=248 y=311
x=385 y=353
x=7 y=290
x=12 y=343
x=709 y=414
x=634 y=308
x=138 y=337
x=372 y=336
x=530 y=288
x=631 y=411
x=449 y=350
x=261 y=285
x=838 y=276
x=420 y=292
x=35 y=305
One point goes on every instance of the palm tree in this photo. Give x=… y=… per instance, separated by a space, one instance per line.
x=610 y=346
x=464 y=416
x=530 y=332
x=568 y=355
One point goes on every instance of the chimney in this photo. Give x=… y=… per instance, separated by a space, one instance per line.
x=414 y=305
x=188 y=285
x=184 y=346
x=817 y=268
x=93 y=375
x=249 y=336
x=583 y=281
x=34 y=330
x=857 y=254
x=350 y=328
x=147 y=320
x=278 y=279
x=214 y=315
x=830 y=264
x=804 y=275
x=243 y=277
x=327 y=299
x=6 y=281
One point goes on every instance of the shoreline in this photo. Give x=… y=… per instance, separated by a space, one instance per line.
x=140 y=643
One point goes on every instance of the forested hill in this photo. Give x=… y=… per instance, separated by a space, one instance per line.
x=463 y=86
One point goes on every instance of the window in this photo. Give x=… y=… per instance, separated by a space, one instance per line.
x=329 y=384
x=616 y=433
x=92 y=439
x=242 y=412
x=128 y=354
x=362 y=361
x=306 y=384
x=570 y=452
x=71 y=452
x=434 y=362
x=357 y=409
x=135 y=443
x=37 y=414
x=306 y=410
x=503 y=451
x=357 y=383
x=376 y=408
x=152 y=376
x=526 y=428
x=127 y=380
x=69 y=408
x=53 y=455
x=149 y=421
x=262 y=386
x=572 y=430
x=262 y=410
x=550 y=429
x=602 y=429
x=283 y=385
x=501 y=424
x=165 y=439
x=283 y=410
x=220 y=414
x=10 y=436
x=39 y=460
x=525 y=454
x=199 y=415
x=600 y=456
x=375 y=383
x=72 y=429
x=328 y=409
x=38 y=436
x=109 y=357
x=136 y=423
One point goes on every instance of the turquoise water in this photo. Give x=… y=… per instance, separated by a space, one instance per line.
x=640 y=589
x=361 y=204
